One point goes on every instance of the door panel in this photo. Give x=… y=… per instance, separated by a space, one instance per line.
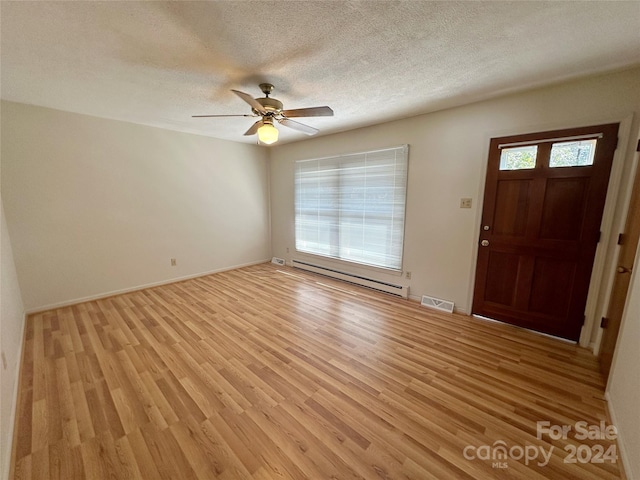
x=564 y=208
x=503 y=268
x=540 y=226
x=512 y=207
x=552 y=279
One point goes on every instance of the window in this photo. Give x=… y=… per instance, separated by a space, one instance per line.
x=351 y=207
x=572 y=151
x=518 y=158
x=573 y=154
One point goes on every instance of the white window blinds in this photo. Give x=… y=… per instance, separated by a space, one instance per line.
x=352 y=207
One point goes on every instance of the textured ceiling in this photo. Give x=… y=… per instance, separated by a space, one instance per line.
x=158 y=63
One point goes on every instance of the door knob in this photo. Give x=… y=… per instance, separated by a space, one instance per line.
x=484 y=243
x=486 y=227
x=622 y=269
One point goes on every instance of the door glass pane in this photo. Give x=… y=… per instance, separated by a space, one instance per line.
x=518 y=158
x=573 y=154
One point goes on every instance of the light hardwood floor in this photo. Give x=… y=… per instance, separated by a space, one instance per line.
x=271 y=373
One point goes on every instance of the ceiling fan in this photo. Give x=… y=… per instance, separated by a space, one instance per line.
x=270 y=109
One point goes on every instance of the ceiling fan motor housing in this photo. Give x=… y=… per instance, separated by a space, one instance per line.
x=271 y=105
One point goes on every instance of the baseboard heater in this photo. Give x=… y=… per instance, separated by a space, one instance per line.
x=399 y=290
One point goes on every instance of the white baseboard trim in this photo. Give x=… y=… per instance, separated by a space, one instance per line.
x=6 y=469
x=90 y=298
x=623 y=451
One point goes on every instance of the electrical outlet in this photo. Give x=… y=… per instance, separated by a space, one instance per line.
x=4 y=361
x=407 y=275
x=173 y=262
x=287 y=249
x=465 y=203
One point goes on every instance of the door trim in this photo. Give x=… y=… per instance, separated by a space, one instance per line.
x=609 y=270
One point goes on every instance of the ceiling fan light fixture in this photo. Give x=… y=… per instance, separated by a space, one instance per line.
x=268 y=134
x=270 y=110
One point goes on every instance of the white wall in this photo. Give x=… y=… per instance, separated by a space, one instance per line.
x=623 y=390
x=448 y=154
x=97 y=206
x=11 y=328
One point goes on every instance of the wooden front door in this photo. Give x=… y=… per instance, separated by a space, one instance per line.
x=543 y=203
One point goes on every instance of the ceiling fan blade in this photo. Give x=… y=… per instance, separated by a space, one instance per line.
x=254 y=128
x=251 y=101
x=301 y=127
x=205 y=116
x=309 y=112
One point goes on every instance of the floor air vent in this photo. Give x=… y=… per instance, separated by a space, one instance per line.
x=432 y=302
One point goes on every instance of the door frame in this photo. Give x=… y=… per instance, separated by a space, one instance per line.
x=618 y=296
x=619 y=227
x=618 y=196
